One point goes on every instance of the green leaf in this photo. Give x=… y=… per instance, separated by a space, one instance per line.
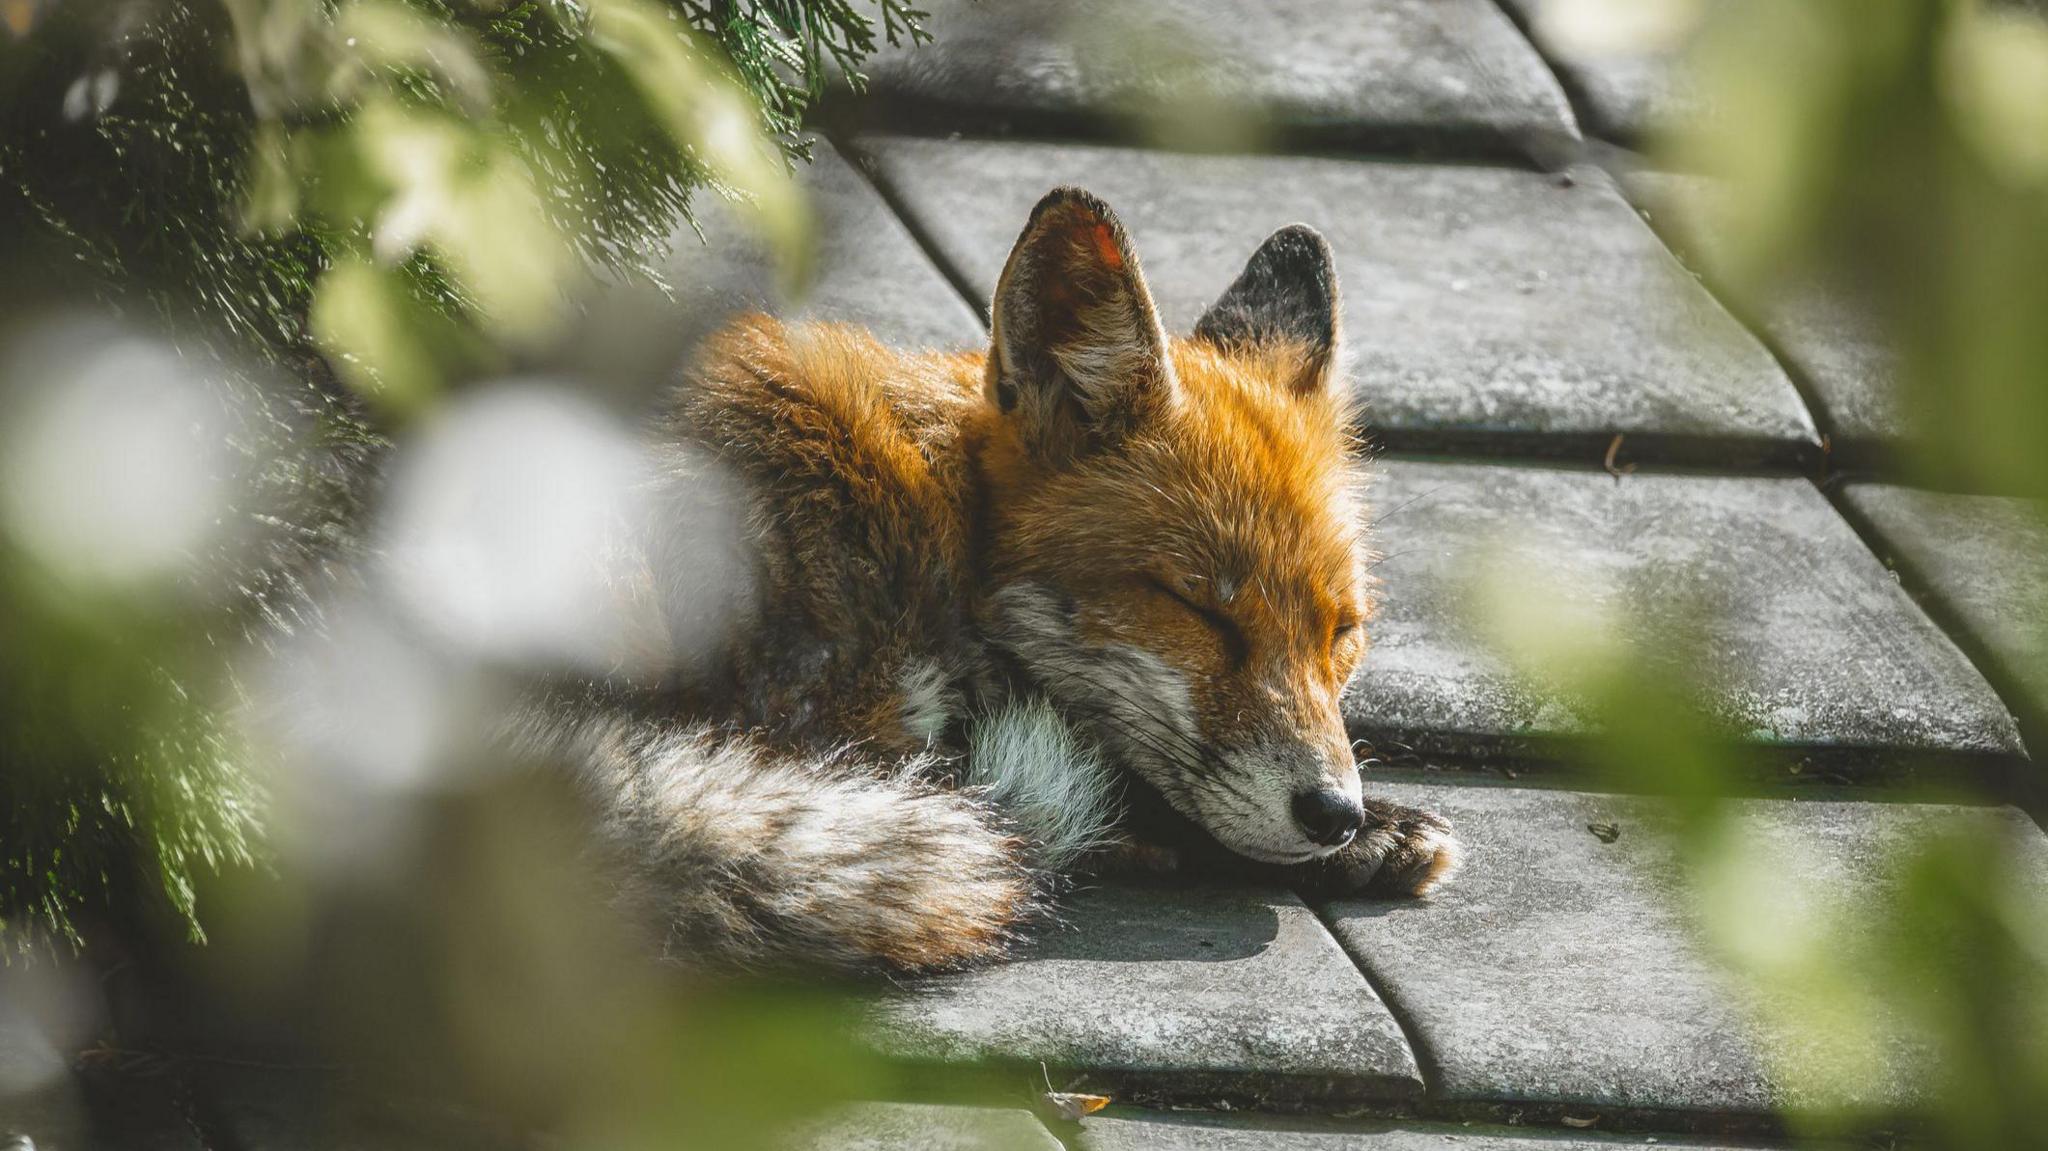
x=366 y=321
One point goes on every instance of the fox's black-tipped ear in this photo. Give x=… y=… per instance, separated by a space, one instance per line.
x=1286 y=293
x=1078 y=356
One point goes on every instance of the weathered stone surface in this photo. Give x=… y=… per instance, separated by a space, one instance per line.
x=1195 y=1131
x=1213 y=75
x=1173 y=992
x=1564 y=970
x=1982 y=562
x=1627 y=90
x=867 y=270
x=1808 y=642
x=924 y=1127
x=1823 y=332
x=1482 y=306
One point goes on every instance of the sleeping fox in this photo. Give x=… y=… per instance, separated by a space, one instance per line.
x=1091 y=594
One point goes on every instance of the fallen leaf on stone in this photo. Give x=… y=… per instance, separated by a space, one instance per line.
x=1069 y=1105
x=1613 y=469
x=1575 y=1121
x=1605 y=833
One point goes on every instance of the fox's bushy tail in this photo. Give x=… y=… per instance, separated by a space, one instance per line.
x=745 y=855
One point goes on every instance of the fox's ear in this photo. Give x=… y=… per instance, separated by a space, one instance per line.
x=1078 y=357
x=1287 y=293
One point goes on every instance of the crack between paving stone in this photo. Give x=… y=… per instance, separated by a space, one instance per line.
x=1426 y=1066
x=1575 y=96
x=1539 y=1118
x=2015 y=784
x=1810 y=398
x=860 y=162
x=1470 y=145
x=1659 y=452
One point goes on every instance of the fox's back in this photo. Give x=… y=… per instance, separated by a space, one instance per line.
x=850 y=459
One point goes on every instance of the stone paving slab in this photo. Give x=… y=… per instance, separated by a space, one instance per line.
x=1626 y=91
x=868 y=271
x=1811 y=645
x=1215 y=75
x=1195 y=1131
x=1562 y=970
x=1169 y=993
x=1831 y=341
x=1484 y=308
x=925 y=1127
x=1981 y=562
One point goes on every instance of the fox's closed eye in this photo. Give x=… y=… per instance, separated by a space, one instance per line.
x=1345 y=632
x=1235 y=646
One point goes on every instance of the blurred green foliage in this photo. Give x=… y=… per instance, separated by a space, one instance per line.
x=120 y=777
x=1898 y=149
x=316 y=218
x=1895 y=151
x=341 y=208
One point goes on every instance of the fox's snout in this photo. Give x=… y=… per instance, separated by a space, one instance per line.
x=1327 y=816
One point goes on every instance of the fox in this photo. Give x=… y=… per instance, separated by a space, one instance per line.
x=1085 y=598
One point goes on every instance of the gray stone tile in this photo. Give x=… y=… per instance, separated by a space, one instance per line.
x=1810 y=644
x=1216 y=74
x=1823 y=332
x=924 y=1127
x=867 y=270
x=1625 y=90
x=1564 y=971
x=1981 y=562
x=1170 y=993
x=1484 y=307
x=1186 y=1131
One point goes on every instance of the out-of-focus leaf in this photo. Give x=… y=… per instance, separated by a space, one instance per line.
x=367 y=323
x=271 y=205
x=466 y=195
x=274 y=41
x=384 y=34
x=1995 y=77
x=1619 y=27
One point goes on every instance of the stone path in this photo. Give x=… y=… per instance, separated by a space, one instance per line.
x=1512 y=308
x=1520 y=319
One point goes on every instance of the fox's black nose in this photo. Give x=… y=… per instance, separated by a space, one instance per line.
x=1329 y=816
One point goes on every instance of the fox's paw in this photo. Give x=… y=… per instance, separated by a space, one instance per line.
x=1400 y=852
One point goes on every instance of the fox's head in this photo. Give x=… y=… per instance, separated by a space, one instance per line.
x=1174 y=533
